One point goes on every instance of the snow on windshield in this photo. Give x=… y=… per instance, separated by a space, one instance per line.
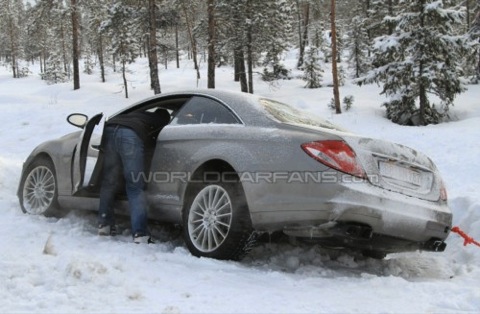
x=284 y=113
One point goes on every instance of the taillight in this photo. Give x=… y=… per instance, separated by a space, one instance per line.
x=335 y=154
x=443 y=191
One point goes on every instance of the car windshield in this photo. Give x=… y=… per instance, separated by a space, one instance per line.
x=287 y=114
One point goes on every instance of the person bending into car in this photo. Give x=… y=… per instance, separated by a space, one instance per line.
x=127 y=139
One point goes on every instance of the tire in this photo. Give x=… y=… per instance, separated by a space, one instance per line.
x=216 y=222
x=374 y=254
x=38 y=189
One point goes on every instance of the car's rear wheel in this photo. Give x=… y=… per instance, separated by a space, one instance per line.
x=217 y=221
x=38 y=192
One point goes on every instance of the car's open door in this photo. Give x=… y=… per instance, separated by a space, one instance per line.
x=81 y=152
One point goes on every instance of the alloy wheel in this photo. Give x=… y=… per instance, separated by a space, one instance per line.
x=210 y=218
x=38 y=190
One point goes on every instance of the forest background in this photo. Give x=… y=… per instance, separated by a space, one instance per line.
x=423 y=53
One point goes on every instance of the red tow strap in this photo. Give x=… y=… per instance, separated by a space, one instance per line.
x=468 y=240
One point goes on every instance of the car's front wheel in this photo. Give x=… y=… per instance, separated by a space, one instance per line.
x=217 y=222
x=38 y=189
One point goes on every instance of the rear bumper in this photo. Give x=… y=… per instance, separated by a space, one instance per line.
x=361 y=237
x=306 y=210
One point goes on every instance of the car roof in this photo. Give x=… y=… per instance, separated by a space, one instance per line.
x=245 y=105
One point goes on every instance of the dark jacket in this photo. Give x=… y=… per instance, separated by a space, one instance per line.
x=146 y=125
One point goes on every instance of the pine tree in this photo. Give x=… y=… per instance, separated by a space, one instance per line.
x=231 y=36
x=11 y=21
x=50 y=26
x=357 y=46
x=88 y=62
x=95 y=12
x=252 y=29
x=474 y=35
x=189 y=11
x=303 y=13
x=420 y=59
x=122 y=28
x=30 y=44
x=275 y=21
x=54 y=71
x=312 y=72
x=376 y=13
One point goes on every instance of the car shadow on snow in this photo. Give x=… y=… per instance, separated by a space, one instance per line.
x=314 y=260
x=281 y=254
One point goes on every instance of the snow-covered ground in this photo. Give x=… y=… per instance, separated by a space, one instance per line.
x=61 y=266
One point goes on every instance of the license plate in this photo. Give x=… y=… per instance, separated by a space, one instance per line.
x=399 y=173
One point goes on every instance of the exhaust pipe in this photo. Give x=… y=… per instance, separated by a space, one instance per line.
x=434 y=245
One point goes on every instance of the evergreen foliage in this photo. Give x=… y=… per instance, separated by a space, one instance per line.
x=473 y=57
x=122 y=27
x=348 y=102
x=55 y=71
x=358 y=47
x=421 y=52
x=312 y=72
x=275 y=19
x=419 y=60
x=12 y=24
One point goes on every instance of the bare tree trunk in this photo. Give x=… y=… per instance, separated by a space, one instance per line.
x=369 y=31
x=467 y=6
x=249 y=48
x=13 y=49
x=303 y=35
x=41 y=62
x=300 y=41
x=152 y=48
x=336 y=92
x=177 y=52
x=64 y=50
x=478 y=66
x=423 y=96
x=101 y=58
x=125 y=84
x=250 y=62
x=422 y=89
x=236 y=66
x=44 y=60
x=423 y=103
x=165 y=59
x=241 y=75
x=75 y=52
x=193 y=42
x=211 y=44
x=390 y=12
x=476 y=25
x=14 y=66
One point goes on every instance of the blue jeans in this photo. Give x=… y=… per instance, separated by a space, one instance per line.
x=124 y=154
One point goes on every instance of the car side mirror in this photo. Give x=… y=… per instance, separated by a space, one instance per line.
x=77 y=119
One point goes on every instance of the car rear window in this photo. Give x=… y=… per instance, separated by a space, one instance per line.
x=284 y=113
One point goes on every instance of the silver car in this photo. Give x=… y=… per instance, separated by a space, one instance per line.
x=231 y=166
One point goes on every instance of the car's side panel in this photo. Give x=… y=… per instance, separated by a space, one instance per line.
x=256 y=154
x=60 y=151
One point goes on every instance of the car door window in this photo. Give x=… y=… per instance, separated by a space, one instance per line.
x=202 y=110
